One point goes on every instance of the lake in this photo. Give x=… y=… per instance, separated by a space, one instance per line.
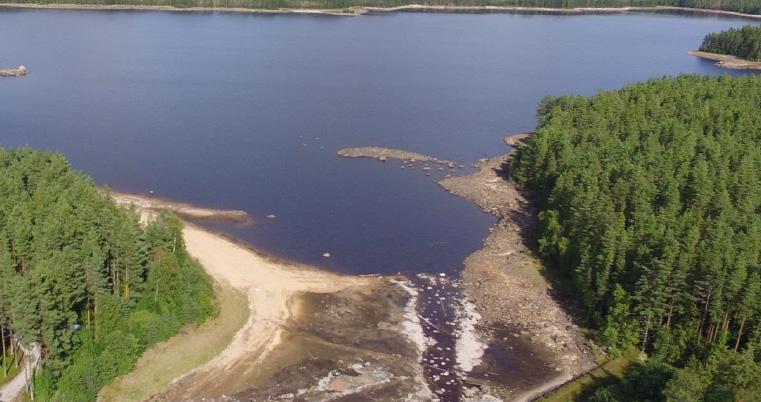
x=247 y=111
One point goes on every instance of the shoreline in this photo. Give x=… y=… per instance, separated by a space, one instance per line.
x=361 y=10
x=148 y=204
x=505 y=282
x=279 y=296
x=727 y=61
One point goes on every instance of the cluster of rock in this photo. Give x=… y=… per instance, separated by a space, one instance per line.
x=13 y=72
x=503 y=278
x=384 y=154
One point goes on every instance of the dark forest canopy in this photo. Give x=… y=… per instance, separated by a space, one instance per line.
x=744 y=6
x=82 y=278
x=744 y=43
x=651 y=204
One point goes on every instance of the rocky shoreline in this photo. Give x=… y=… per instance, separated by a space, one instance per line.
x=727 y=61
x=533 y=345
x=504 y=281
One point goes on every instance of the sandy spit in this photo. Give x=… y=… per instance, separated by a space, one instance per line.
x=153 y=205
x=727 y=61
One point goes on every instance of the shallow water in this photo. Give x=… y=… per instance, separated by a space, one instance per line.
x=247 y=111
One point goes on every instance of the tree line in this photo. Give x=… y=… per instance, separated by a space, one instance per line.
x=650 y=203
x=743 y=6
x=744 y=43
x=83 y=279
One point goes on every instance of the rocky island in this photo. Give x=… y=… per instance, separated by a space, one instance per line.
x=19 y=71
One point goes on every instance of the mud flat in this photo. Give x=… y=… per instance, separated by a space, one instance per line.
x=383 y=154
x=154 y=205
x=727 y=61
x=534 y=345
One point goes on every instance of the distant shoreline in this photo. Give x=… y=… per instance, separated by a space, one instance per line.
x=357 y=11
x=727 y=61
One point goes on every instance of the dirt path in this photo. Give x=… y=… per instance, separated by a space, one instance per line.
x=12 y=390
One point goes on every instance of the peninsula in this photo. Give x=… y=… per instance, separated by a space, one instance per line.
x=738 y=49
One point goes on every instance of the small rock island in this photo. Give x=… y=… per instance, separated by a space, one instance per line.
x=19 y=71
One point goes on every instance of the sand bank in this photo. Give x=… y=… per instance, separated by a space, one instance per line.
x=152 y=205
x=727 y=61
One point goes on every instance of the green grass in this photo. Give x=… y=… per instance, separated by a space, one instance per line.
x=193 y=347
x=12 y=370
x=610 y=372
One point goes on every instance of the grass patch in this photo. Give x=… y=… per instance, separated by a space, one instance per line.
x=12 y=370
x=610 y=372
x=191 y=348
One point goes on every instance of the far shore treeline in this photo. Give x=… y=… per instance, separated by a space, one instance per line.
x=743 y=6
x=650 y=203
x=83 y=279
x=744 y=43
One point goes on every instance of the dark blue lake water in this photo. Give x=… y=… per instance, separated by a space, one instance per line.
x=247 y=111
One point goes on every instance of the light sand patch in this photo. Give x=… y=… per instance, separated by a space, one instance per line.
x=269 y=286
x=727 y=61
x=149 y=206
